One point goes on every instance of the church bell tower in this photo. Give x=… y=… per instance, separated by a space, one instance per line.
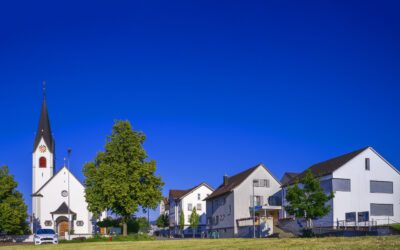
x=43 y=150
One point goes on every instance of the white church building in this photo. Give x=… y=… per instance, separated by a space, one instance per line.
x=58 y=198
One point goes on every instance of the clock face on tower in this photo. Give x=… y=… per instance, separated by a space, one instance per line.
x=42 y=148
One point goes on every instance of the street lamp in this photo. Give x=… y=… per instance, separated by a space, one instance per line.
x=69 y=194
x=254 y=211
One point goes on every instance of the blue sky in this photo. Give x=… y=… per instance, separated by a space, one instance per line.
x=217 y=86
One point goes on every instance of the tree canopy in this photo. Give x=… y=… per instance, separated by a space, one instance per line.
x=181 y=221
x=162 y=221
x=13 y=210
x=308 y=201
x=194 y=220
x=121 y=179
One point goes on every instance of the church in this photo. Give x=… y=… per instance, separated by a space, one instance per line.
x=58 y=197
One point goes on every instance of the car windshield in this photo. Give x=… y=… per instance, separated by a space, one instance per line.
x=45 y=231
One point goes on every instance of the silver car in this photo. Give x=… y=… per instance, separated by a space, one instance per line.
x=45 y=236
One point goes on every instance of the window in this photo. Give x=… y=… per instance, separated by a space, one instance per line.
x=385 y=187
x=198 y=206
x=326 y=186
x=351 y=217
x=363 y=216
x=64 y=193
x=367 y=164
x=381 y=209
x=48 y=223
x=79 y=223
x=258 y=201
x=261 y=183
x=343 y=185
x=190 y=207
x=256 y=183
x=42 y=162
x=198 y=196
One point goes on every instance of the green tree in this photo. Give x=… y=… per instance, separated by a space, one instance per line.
x=194 y=221
x=182 y=222
x=121 y=179
x=309 y=201
x=13 y=210
x=162 y=221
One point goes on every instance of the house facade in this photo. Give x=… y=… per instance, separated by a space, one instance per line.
x=230 y=207
x=183 y=201
x=164 y=206
x=365 y=185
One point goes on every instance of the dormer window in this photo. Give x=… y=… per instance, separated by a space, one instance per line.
x=42 y=162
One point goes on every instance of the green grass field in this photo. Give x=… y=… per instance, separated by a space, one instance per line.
x=390 y=242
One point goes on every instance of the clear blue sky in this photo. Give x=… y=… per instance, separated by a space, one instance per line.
x=217 y=86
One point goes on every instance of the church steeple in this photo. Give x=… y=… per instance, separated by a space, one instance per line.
x=44 y=129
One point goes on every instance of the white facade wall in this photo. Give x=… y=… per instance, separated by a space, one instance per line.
x=52 y=199
x=41 y=175
x=360 y=197
x=190 y=198
x=244 y=191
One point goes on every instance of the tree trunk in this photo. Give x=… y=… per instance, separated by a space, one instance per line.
x=124 y=229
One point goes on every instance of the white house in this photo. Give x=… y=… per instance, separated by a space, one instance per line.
x=58 y=199
x=183 y=201
x=366 y=188
x=230 y=206
x=164 y=206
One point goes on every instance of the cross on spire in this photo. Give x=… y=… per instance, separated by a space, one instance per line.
x=44 y=89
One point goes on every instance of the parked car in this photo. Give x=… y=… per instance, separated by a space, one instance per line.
x=45 y=236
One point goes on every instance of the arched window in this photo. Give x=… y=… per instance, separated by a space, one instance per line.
x=42 y=162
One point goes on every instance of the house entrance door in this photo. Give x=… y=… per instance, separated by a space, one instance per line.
x=62 y=228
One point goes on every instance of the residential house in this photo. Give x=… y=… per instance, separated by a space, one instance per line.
x=183 y=201
x=164 y=206
x=366 y=188
x=230 y=208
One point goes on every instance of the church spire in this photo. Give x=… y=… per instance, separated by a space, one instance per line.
x=44 y=129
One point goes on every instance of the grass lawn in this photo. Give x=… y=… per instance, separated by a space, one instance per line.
x=387 y=242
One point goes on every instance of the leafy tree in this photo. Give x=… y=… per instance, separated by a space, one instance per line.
x=13 y=210
x=309 y=201
x=121 y=179
x=162 y=221
x=181 y=221
x=194 y=221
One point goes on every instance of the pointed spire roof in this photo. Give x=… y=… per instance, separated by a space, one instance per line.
x=44 y=129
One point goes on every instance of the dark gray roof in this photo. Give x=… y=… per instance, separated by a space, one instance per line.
x=288 y=176
x=63 y=209
x=234 y=181
x=326 y=167
x=178 y=193
x=44 y=129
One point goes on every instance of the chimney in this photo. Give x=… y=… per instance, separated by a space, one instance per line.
x=225 y=179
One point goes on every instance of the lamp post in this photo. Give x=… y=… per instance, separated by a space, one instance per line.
x=69 y=194
x=254 y=213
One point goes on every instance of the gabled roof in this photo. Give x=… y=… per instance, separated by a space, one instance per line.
x=327 y=167
x=63 y=209
x=288 y=176
x=37 y=193
x=179 y=194
x=44 y=129
x=235 y=181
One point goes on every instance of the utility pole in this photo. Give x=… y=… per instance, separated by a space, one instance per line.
x=69 y=196
x=254 y=214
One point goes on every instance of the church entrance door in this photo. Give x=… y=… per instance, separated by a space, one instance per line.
x=62 y=228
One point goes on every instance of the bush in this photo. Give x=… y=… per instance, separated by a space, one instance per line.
x=99 y=238
x=308 y=233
